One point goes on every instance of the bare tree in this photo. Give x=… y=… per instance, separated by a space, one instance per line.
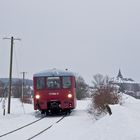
x=100 y=80
x=81 y=88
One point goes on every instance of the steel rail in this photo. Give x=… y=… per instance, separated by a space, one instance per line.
x=21 y=127
x=46 y=128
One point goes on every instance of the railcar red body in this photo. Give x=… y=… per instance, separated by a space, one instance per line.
x=54 y=90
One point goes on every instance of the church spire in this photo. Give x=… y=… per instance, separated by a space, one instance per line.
x=120 y=75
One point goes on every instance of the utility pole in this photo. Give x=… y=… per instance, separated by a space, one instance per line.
x=23 y=84
x=10 y=73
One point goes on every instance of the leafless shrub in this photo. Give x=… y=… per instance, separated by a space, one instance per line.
x=104 y=93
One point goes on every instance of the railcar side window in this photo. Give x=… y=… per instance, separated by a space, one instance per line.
x=53 y=82
x=40 y=84
x=66 y=82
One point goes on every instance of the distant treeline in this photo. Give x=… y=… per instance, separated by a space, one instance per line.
x=15 y=80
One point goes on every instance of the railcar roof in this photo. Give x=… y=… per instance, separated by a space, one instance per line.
x=54 y=72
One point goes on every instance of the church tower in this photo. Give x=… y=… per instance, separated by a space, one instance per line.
x=119 y=75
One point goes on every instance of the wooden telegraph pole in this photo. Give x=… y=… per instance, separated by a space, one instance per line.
x=23 y=84
x=10 y=73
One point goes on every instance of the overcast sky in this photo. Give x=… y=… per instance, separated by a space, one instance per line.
x=85 y=36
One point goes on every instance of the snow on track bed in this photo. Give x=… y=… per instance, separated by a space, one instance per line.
x=10 y=132
x=46 y=128
x=71 y=127
x=33 y=130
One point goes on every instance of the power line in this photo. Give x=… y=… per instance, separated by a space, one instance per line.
x=16 y=63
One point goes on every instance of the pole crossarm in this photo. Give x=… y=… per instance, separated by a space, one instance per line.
x=13 y=38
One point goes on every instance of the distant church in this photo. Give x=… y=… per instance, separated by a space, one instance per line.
x=127 y=85
x=119 y=75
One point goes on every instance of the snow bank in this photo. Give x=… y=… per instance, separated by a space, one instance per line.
x=123 y=124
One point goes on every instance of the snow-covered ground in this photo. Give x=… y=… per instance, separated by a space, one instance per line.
x=123 y=124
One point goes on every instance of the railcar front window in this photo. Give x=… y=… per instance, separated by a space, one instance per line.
x=40 y=84
x=66 y=82
x=53 y=82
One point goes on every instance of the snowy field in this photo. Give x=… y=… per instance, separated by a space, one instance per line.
x=123 y=124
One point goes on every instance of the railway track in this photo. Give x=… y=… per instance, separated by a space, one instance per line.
x=12 y=134
x=39 y=133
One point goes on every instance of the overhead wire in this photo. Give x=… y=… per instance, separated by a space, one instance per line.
x=16 y=62
x=17 y=70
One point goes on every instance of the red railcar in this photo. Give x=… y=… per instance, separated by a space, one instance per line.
x=54 y=90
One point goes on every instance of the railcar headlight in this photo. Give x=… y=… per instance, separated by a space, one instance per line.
x=69 y=95
x=37 y=96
